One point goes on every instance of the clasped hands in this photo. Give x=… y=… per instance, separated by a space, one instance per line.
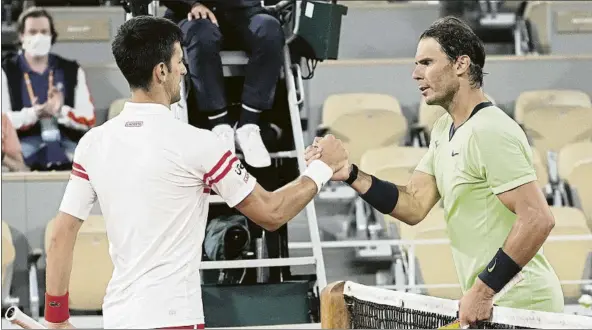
x=51 y=108
x=330 y=151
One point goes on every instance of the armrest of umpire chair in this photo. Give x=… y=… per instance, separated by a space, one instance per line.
x=34 y=297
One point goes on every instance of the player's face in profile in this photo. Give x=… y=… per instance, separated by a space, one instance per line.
x=178 y=70
x=434 y=73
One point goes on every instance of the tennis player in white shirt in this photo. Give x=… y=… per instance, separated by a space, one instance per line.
x=152 y=175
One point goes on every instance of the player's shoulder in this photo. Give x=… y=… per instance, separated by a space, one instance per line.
x=494 y=124
x=494 y=119
x=189 y=136
x=91 y=136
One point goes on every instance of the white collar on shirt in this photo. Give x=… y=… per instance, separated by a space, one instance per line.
x=148 y=108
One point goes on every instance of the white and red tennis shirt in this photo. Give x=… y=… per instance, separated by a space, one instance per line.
x=152 y=176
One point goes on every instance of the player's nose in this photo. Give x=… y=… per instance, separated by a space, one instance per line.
x=416 y=74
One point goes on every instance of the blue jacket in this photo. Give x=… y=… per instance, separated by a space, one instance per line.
x=178 y=9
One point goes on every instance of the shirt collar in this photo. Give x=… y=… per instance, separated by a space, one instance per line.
x=147 y=108
x=24 y=65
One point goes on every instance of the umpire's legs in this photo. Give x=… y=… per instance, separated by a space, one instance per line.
x=203 y=41
x=263 y=38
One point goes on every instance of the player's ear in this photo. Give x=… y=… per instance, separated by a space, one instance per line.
x=462 y=64
x=161 y=72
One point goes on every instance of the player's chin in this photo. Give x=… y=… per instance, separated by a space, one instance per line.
x=432 y=99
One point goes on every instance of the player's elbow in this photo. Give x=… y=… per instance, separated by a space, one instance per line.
x=547 y=222
x=274 y=219
x=540 y=221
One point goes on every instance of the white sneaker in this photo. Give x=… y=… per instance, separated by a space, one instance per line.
x=250 y=142
x=226 y=135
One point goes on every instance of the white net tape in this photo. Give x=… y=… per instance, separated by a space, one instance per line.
x=501 y=315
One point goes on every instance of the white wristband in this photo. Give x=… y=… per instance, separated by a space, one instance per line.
x=319 y=172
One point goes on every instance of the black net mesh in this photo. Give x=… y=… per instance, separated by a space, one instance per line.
x=370 y=315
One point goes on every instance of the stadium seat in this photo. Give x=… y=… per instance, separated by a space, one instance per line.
x=575 y=167
x=535 y=100
x=364 y=121
x=116 y=107
x=573 y=155
x=434 y=219
x=536 y=14
x=541 y=126
x=540 y=166
x=91 y=266
x=435 y=262
x=394 y=163
x=428 y=114
x=8 y=256
x=568 y=258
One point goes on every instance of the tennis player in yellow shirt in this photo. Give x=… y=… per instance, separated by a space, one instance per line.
x=480 y=164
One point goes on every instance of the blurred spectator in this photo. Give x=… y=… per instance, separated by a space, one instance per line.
x=44 y=95
x=246 y=25
x=12 y=158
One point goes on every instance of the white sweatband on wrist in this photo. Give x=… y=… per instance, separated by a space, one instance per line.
x=319 y=172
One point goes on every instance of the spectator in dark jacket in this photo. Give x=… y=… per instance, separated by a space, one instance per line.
x=205 y=24
x=44 y=95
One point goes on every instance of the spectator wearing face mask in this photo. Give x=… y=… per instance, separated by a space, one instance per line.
x=44 y=95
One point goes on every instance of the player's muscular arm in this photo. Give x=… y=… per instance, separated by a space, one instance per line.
x=533 y=224
x=271 y=210
x=415 y=200
x=60 y=253
x=532 y=227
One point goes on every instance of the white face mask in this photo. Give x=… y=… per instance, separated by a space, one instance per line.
x=37 y=45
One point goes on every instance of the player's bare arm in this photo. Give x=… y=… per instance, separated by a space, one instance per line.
x=409 y=203
x=533 y=225
x=271 y=210
x=59 y=258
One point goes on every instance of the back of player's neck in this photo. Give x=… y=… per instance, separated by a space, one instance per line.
x=463 y=104
x=141 y=96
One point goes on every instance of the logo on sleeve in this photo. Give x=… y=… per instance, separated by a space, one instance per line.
x=454 y=153
x=241 y=171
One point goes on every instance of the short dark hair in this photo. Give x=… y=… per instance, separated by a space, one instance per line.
x=140 y=44
x=34 y=12
x=456 y=39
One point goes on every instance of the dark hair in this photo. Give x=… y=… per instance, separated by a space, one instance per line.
x=456 y=39
x=34 y=12
x=140 y=44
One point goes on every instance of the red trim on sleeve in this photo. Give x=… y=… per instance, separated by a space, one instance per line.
x=80 y=174
x=216 y=167
x=223 y=174
x=78 y=167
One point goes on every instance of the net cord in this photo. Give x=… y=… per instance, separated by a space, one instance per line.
x=449 y=307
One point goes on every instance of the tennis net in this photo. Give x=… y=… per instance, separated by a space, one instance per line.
x=376 y=308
